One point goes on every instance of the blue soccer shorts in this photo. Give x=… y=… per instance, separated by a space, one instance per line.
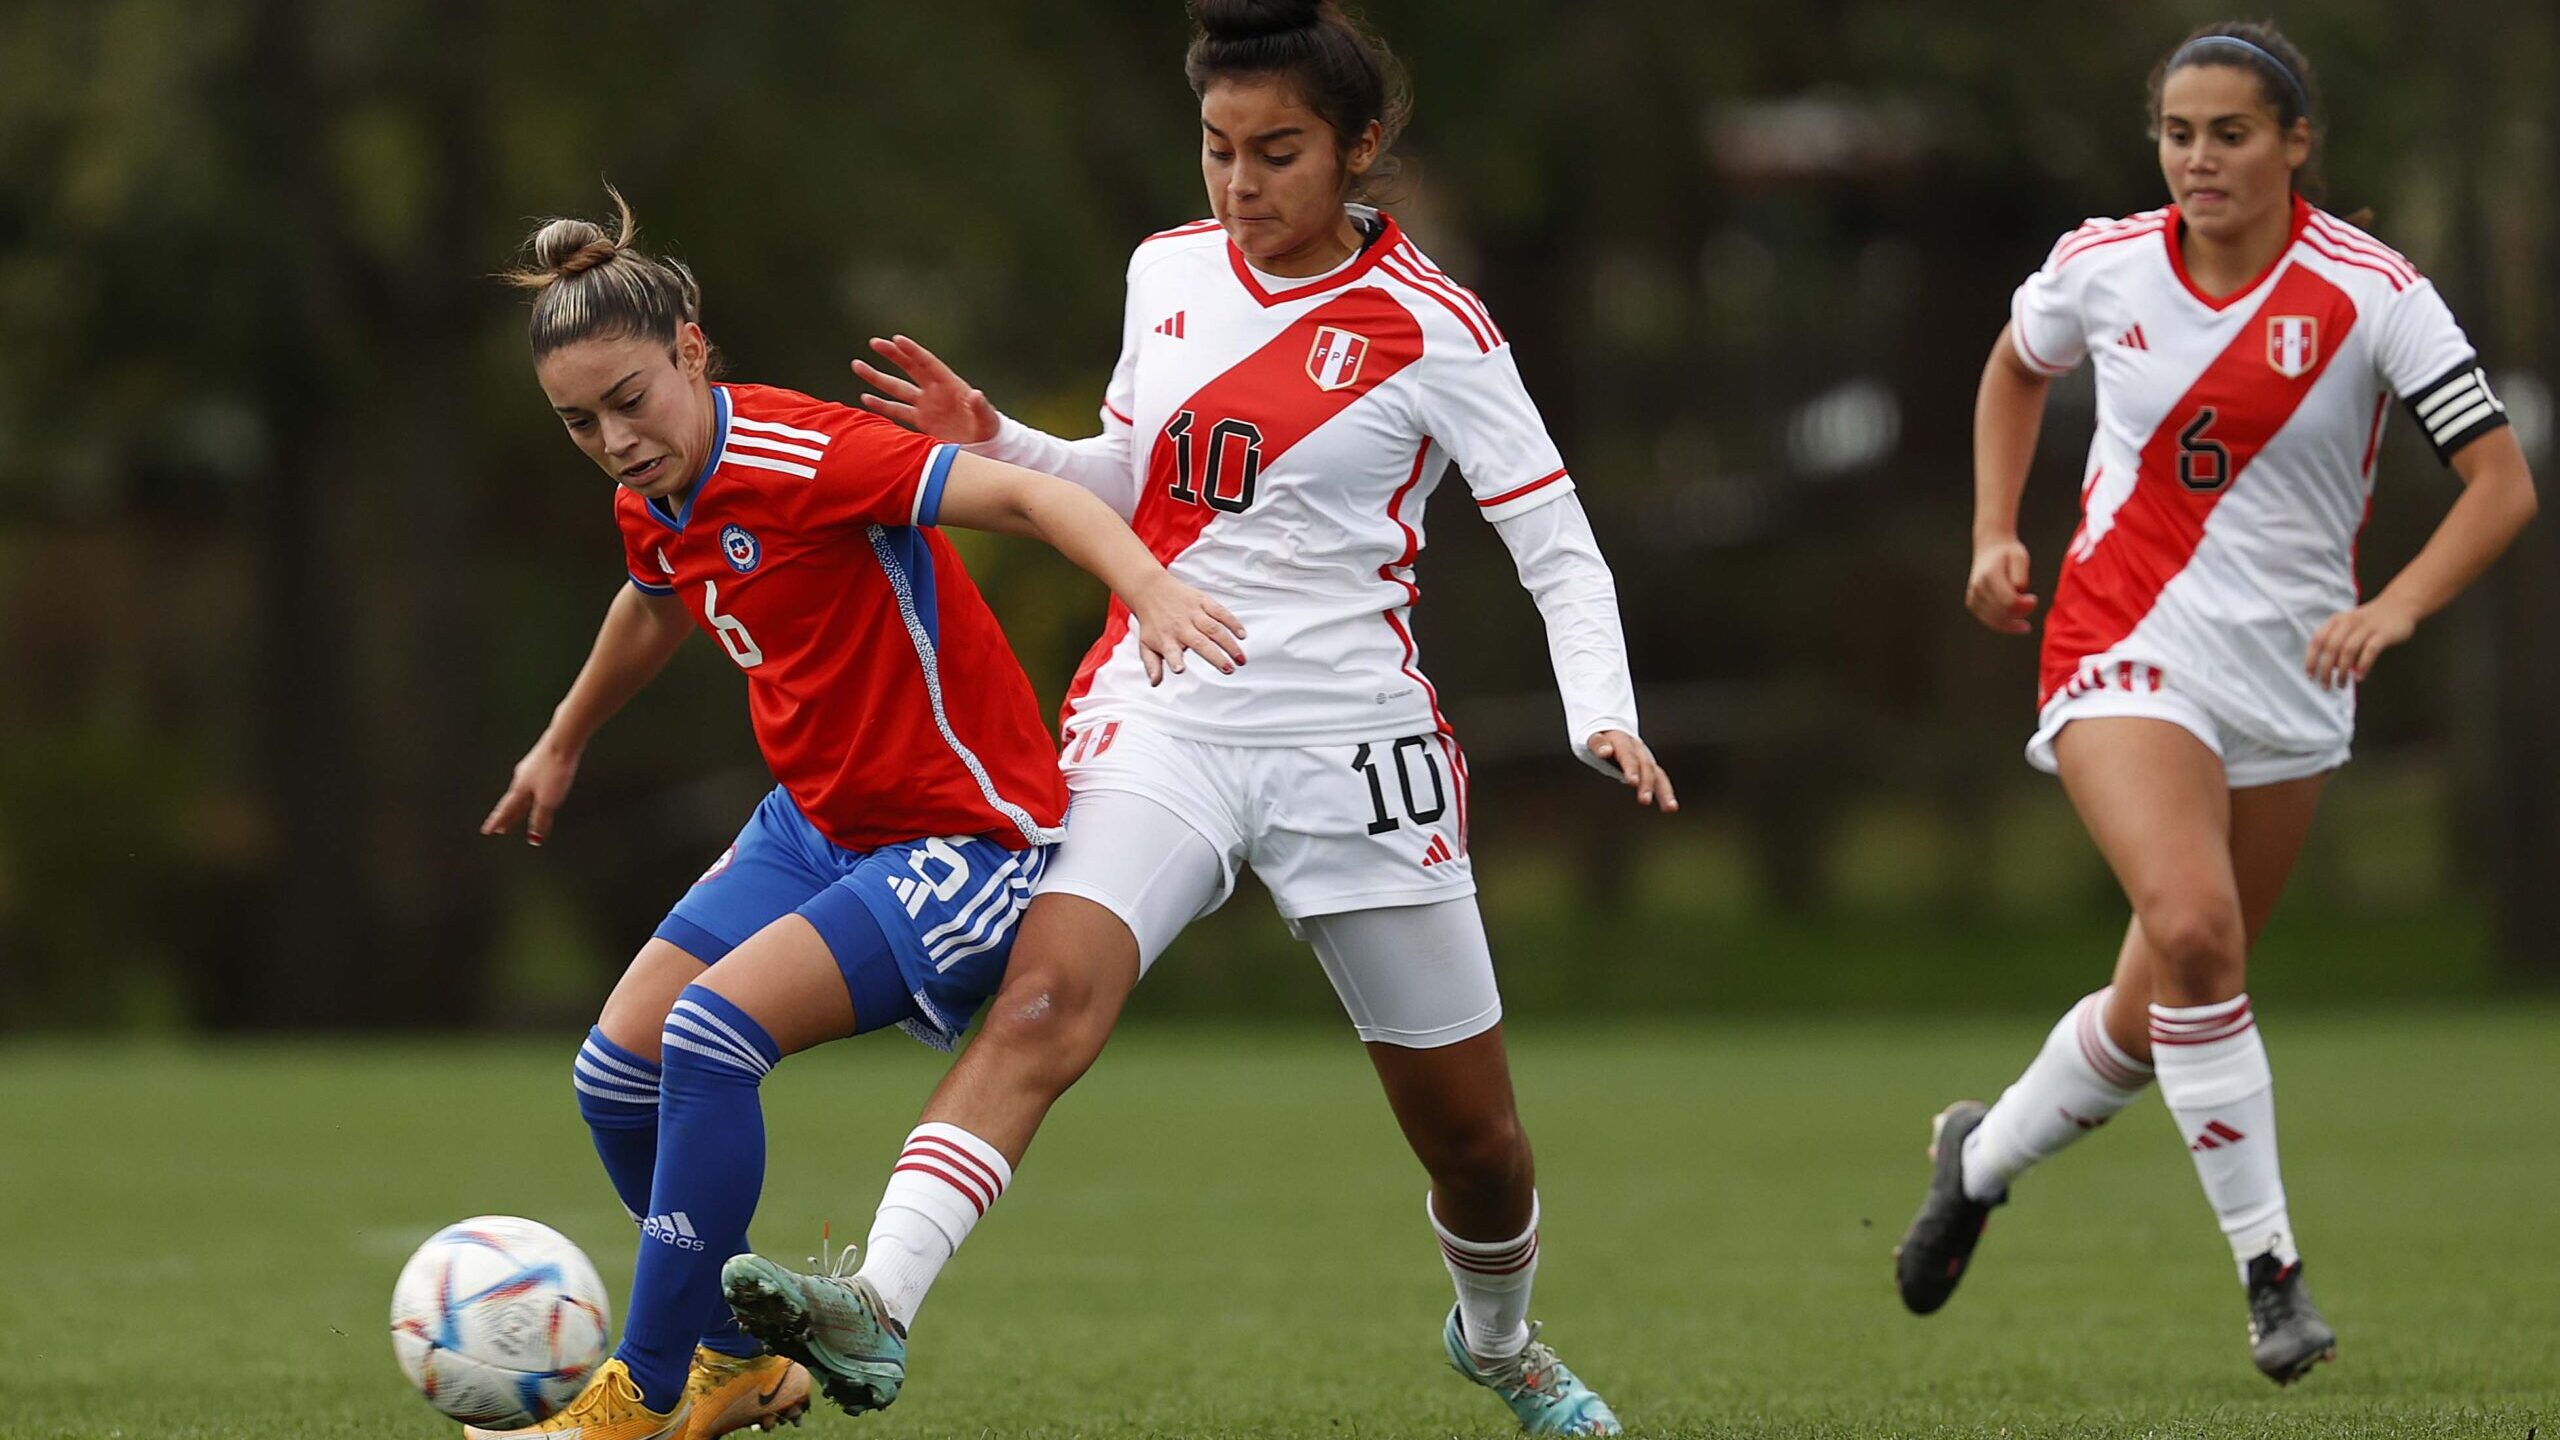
x=920 y=929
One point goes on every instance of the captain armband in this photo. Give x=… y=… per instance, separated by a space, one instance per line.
x=2456 y=409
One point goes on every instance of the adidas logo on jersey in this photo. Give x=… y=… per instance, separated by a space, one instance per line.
x=2132 y=339
x=1173 y=326
x=2215 y=1136
x=1438 y=853
x=674 y=1228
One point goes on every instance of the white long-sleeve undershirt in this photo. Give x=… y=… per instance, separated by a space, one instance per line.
x=1560 y=565
x=1098 y=463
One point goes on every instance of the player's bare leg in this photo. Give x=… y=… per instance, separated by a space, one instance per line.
x=1417 y=983
x=1073 y=969
x=2158 y=803
x=1456 y=1108
x=1073 y=966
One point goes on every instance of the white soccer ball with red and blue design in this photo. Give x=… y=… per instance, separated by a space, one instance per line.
x=499 y=1321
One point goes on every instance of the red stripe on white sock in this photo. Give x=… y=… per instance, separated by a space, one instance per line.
x=1495 y=1254
x=1508 y=1261
x=934 y=1147
x=2201 y=1024
x=978 y=1198
x=2101 y=1058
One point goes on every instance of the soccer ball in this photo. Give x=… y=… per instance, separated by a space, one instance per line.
x=499 y=1321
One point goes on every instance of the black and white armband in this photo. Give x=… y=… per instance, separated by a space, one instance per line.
x=2456 y=409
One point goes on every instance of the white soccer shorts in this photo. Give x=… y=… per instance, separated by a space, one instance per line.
x=2247 y=761
x=1363 y=859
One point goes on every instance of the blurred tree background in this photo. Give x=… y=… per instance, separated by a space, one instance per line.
x=296 y=561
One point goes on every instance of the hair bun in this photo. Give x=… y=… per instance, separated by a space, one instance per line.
x=572 y=247
x=1253 y=19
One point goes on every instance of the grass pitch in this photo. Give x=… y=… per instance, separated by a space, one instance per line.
x=1220 y=1233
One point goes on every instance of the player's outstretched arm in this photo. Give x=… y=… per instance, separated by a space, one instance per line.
x=2008 y=411
x=2497 y=502
x=639 y=635
x=1172 y=618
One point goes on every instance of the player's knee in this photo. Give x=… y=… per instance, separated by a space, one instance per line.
x=631 y=1024
x=1051 y=1020
x=2202 y=944
x=1486 y=1154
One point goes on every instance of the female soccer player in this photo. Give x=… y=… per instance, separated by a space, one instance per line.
x=2206 y=639
x=879 y=884
x=1294 y=379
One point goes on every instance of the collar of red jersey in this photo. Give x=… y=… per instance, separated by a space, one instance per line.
x=1387 y=237
x=720 y=411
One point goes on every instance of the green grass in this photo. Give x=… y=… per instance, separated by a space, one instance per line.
x=1221 y=1234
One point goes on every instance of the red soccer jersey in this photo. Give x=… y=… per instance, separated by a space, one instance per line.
x=884 y=696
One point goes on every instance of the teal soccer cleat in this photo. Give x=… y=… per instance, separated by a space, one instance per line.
x=1549 y=1398
x=834 y=1324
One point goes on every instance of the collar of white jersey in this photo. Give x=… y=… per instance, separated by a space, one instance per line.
x=2174 y=234
x=1385 y=237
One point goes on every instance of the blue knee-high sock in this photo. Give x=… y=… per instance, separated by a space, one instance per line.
x=618 y=1095
x=710 y=1171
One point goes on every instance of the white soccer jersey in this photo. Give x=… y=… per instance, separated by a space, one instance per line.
x=2234 y=454
x=1274 y=442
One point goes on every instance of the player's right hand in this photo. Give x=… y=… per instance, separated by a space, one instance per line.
x=541 y=782
x=1172 y=618
x=936 y=400
x=1997 y=591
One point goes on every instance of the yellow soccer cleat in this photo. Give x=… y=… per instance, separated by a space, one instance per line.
x=608 y=1409
x=729 y=1392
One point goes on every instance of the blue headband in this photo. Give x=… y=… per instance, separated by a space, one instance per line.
x=2301 y=99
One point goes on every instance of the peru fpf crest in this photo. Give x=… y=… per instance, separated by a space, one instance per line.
x=1334 y=360
x=2293 y=344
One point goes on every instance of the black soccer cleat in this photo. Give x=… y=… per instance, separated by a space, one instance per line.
x=1934 y=1251
x=2286 y=1334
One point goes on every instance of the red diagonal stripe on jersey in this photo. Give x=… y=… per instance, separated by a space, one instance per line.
x=2105 y=595
x=1271 y=389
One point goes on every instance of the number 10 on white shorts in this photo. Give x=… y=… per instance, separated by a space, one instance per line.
x=1326 y=828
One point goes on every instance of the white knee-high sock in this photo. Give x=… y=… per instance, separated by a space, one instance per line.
x=2076 y=1083
x=2214 y=1074
x=1493 y=1280
x=945 y=1179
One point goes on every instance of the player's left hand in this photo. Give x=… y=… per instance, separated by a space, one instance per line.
x=1638 y=768
x=2344 y=649
x=1173 y=618
x=937 y=401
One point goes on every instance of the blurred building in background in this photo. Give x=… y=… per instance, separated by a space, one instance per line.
x=295 y=560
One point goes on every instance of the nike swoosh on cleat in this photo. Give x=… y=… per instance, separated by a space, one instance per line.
x=767 y=1397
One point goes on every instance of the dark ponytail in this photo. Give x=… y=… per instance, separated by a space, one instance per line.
x=2285 y=81
x=1337 y=65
